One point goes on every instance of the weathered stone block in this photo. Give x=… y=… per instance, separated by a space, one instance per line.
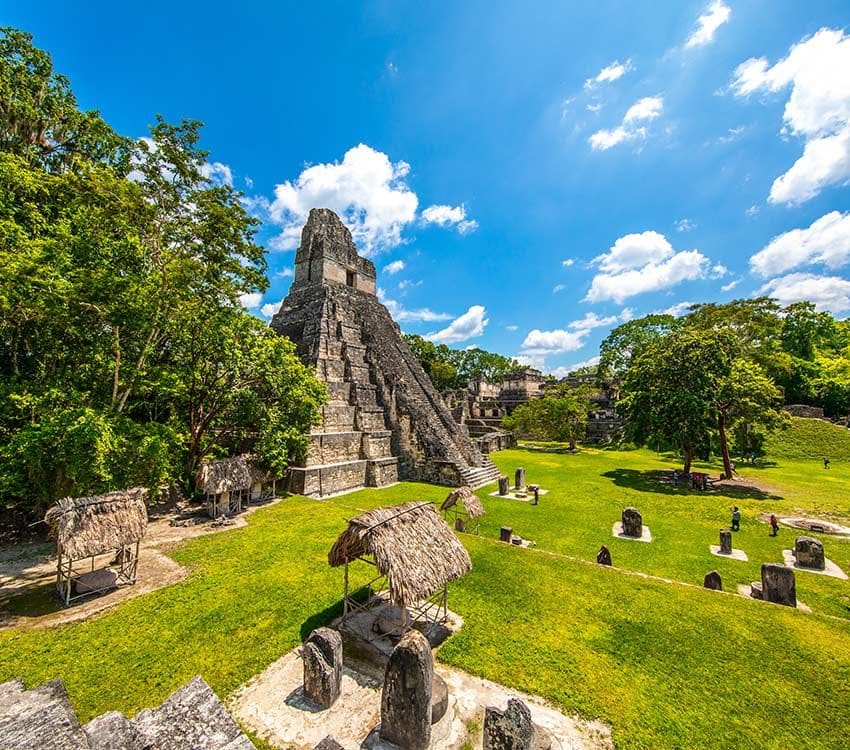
x=406 y=696
x=322 y=657
x=726 y=541
x=809 y=553
x=505 y=534
x=632 y=523
x=519 y=478
x=755 y=590
x=779 y=584
x=504 y=485
x=511 y=729
x=329 y=743
x=603 y=557
x=713 y=581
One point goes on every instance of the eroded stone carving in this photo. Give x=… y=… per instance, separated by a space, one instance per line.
x=809 y=553
x=713 y=581
x=322 y=657
x=632 y=523
x=406 y=696
x=778 y=584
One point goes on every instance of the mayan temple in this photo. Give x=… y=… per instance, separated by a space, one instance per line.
x=384 y=421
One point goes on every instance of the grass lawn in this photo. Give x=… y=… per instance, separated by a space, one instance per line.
x=669 y=666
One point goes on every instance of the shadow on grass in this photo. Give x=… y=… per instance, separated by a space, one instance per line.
x=328 y=614
x=660 y=482
x=34 y=601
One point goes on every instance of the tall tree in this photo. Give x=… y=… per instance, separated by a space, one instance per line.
x=560 y=415
x=627 y=340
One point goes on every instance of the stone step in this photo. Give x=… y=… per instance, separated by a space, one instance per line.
x=338 y=417
x=332 y=447
x=381 y=472
x=39 y=718
x=370 y=419
x=327 y=479
x=377 y=444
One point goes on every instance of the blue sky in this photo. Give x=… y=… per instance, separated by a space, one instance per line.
x=524 y=175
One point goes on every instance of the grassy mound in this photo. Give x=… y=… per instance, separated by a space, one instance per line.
x=810 y=439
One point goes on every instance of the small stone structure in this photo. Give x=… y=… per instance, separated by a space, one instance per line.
x=322 y=656
x=513 y=729
x=505 y=534
x=808 y=553
x=632 y=523
x=713 y=581
x=504 y=485
x=725 y=541
x=804 y=410
x=603 y=557
x=519 y=478
x=406 y=696
x=778 y=584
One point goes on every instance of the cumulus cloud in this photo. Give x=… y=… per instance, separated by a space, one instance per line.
x=562 y=372
x=828 y=293
x=542 y=343
x=394 y=267
x=251 y=300
x=644 y=110
x=645 y=262
x=558 y=288
x=730 y=286
x=684 y=225
x=217 y=173
x=677 y=310
x=284 y=273
x=448 y=216
x=568 y=262
x=401 y=314
x=592 y=320
x=817 y=110
x=610 y=73
x=270 y=308
x=469 y=325
x=712 y=19
x=826 y=242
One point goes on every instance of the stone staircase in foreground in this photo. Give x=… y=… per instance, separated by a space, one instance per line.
x=192 y=718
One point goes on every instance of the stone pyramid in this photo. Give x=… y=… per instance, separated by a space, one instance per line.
x=384 y=421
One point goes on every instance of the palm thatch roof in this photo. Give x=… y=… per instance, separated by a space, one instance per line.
x=229 y=475
x=467 y=498
x=87 y=526
x=412 y=546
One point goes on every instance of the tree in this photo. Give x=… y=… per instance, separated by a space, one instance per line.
x=626 y=341
x=454 y=368
x=560 y=415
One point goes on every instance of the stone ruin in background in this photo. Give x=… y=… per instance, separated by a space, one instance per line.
x=384 y=421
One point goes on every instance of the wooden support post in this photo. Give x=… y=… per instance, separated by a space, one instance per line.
x=345 y=595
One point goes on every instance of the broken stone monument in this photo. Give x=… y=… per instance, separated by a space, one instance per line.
x=406 y=696
x=713 y=581
x=519 y=478
x=322 y=657
x=513 y=729
x=808 y=553
x=778 y=584
x=504 y=485
x=603 y=557
x=383 y=421
x=505 y=534
x=632 y=523
x=725 y=541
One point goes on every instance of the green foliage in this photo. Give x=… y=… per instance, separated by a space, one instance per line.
x=627 y=340
x=454 y=368
x=560 y=415
x=125 y=356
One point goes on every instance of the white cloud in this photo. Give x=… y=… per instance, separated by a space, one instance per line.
x=401 y=314
x=828 y=293
x=817 y=110
x=394 y=267
x=406 y=284
x=251 y=300
x=592 y=320
x=469 y=325
x=752 y=210
x=568 y=262
x=730 y=286
x=528 y=360
x=644 y=110
x=542 y=343
x=610 y=73
x=446 y=216
x=594 y=107
x=270 y=308
x=634 y=250
x=677 y=311
x=366 y=189
x=217 y=173
x=684 y=225
x=284 y=273
x=558 y=288
x=562 y=372
x=512 y=328
x=714 y=17
x=732 y=135
x=826 y=241
x=718 y=271
x=638 y=263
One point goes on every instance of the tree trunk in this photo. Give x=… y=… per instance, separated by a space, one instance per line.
x=686 y=452
x=572 y=445
x=724 y=444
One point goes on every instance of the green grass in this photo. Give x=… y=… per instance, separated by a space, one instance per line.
x=810 y=439
x=667 y=665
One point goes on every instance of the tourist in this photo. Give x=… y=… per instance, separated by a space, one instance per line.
x=774 y=525
x=736 y=519
x=825 y=463
x=734 y=467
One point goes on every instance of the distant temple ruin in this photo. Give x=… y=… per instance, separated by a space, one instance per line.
x=384 y=421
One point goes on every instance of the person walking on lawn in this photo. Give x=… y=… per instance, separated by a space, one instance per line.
x=736 y=519
x=774 y=524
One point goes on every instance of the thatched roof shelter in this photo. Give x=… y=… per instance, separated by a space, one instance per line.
x=229 y=475
x=466 y=498
x=412 y=546
x=88 y=526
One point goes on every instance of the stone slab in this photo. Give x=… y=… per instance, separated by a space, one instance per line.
x=736 y=554
x=512 y=495
x=617 y=531
x=831 y=568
